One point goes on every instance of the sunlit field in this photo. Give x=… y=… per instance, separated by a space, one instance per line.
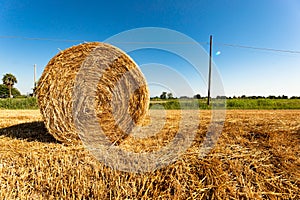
x=256 y=157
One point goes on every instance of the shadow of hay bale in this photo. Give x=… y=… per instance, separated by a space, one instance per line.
x=32 y=131
x=297 y=134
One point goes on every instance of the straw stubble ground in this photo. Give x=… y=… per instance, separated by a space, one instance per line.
x=257 y=157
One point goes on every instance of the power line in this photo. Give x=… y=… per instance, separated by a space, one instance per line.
x=117 y=42
x=160 y=43
x=133 y=43
x=42 y=39
x=258 y=48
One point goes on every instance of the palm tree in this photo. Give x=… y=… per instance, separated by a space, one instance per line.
x=9 y=80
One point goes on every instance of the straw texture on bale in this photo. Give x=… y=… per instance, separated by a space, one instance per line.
x=116 y=108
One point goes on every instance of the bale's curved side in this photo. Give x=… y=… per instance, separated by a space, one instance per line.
x=56 y=85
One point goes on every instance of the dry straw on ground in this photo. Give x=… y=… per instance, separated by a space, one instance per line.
x=102 y=73
x=257 y=157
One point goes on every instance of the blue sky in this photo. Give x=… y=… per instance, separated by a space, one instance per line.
x=258 y=23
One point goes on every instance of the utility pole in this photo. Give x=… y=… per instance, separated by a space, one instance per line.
x=209 y=68
x=34 y=79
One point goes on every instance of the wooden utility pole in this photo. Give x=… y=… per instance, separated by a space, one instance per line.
x=34 y=79
x=209 y=68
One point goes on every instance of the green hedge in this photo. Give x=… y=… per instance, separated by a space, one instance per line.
x=175 y=104
x=19 y=103
x=263 y=104
x=268 y=104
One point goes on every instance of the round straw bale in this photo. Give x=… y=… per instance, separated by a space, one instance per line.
x=117 y=109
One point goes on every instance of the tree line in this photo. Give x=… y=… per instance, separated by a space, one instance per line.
x=9 y=80
x=166 y=95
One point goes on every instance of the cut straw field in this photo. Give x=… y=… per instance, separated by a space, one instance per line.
x=256 y=157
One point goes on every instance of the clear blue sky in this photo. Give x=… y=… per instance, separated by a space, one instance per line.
x=258 y=23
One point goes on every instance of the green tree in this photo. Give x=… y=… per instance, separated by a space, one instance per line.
x=4 y=91
x=197 y=96
x=170 y=96
x=163 y=95
x=9 y=80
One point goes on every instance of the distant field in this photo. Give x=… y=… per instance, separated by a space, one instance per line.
x=257 y=157
x=176 y=104
x=268 y=104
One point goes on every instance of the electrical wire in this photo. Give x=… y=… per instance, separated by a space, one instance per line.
x=204 y=43
x=68 y=40
x=42 y=39
x=133 y=43
x=259 y=48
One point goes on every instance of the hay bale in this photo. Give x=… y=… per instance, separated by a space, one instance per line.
x=116 y=109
